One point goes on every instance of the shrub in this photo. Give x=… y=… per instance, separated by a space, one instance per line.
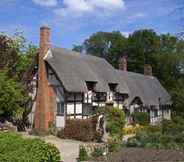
x=141 y=118
x=98 y=152
x=115 y=121
x=39 y=132
x=132 y=130
x=53 y=131
x=98 y=137
x=83 y=156
x=133 y=142
x=14 y=148
x=83 y=130
x=114 y=144
x=60 y=133
x=167 y=135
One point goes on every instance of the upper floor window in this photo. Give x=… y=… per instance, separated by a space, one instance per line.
x=113 y=87
x=74 y=97
x=90 y=85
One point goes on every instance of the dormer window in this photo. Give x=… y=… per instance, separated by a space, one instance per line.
x=88 y=96
x=113 y=87
x=90 y=85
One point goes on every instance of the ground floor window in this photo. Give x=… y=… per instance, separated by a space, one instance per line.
x=155 y=113
x=60 y=108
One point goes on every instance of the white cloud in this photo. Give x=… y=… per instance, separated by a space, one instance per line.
x=48 y=3
x=138 y=15
x=126 y=34
x=81 y=7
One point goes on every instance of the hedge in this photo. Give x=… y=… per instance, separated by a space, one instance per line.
x=15 y=148
x=81 y=129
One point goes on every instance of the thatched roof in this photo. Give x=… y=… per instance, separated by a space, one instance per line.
x=147 y=88
x=74 y=70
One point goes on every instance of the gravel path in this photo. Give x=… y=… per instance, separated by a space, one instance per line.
x=69 y=149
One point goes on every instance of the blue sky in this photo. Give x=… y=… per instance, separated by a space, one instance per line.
x=72 y=21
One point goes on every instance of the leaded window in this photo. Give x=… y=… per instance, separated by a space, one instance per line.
x=60 y=108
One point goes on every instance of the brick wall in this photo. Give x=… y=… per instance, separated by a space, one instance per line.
x=44 y=114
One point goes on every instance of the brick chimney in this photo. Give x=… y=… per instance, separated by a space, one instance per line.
x=44 y=113
x=148 y=70
x=123 y=63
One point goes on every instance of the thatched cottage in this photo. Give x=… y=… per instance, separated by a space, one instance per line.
x=74 y=85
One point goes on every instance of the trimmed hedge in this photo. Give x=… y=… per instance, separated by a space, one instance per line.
x=15 y=148
x=81 y=129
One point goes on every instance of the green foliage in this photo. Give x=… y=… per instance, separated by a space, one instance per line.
x=178 y=99
x=17 y=149
x=11 y=98
x=104 y=44
x=115 y=121
x=168 y=135
x=83 y=156
x=16 y=56
x=39 y=132
x=98 y=137
x=133 y=142
x=61 y=133
x=141 y=118
x=114 y=144
x=164 y=52
x=98 y=152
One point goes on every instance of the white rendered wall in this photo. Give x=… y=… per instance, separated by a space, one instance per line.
x=60 y=121
x=78 y=108
x=70 y=108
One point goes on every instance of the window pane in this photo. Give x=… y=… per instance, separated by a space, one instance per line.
x=60 y=108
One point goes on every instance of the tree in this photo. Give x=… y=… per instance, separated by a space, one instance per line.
x=11 y=99
x=108 y=45
x=16 y=57
x=142 y=44
x=164 y=52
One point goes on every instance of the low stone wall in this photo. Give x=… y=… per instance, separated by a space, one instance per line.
x=90 y=148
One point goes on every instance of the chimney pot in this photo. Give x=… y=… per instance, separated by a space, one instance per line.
x=45 y=38
x=123 y=63
x=148 y=70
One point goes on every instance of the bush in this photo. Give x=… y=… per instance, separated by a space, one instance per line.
x=60 y=133
x=53 y=131
x=167 y=135
x=39 y=132
x=14 y=148
x=133 y=142
x=83 y=130
x=83 y=156
x=98 y=152
x=114 y=144
x=115 y=121
x=141 y=118
x=132 y=130
x=98 y=137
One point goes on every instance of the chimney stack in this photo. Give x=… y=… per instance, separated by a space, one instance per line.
x=148 y=70
x=44 y=113
x=123 y=63
x=44 y=40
